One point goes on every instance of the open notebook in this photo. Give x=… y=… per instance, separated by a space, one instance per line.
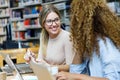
x=13 y=66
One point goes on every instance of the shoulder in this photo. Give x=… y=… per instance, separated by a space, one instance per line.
x=66 y=37
x=65 y=34
x=107 y=43
x=108 y=51
x=110 y=58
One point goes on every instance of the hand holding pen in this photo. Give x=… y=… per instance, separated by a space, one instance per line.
x=29 y=55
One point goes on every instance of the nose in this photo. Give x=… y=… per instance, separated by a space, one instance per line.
x=54 y=24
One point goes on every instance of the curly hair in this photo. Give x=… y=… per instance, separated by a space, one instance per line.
x=90 y=19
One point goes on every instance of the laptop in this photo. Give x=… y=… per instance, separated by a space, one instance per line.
x=40 y=70
x=13 y=66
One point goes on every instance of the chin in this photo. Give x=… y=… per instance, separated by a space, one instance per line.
x=54 y=32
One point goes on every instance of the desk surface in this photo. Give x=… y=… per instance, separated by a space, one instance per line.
x=13 y=77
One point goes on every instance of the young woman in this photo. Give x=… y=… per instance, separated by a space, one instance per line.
x=55 y=45
x=96 y=40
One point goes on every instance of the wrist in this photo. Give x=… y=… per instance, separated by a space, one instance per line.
x=84 y=77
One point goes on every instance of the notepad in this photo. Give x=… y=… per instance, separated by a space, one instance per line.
x=41 y=71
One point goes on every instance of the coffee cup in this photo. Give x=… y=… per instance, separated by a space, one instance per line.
x=54 y=70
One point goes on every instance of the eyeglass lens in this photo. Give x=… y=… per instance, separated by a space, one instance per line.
x=50 y=21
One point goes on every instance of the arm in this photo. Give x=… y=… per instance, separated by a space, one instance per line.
x=69 y=54
x=40 y=56
x=70 y=76
x=30 y=55
x=63 y=68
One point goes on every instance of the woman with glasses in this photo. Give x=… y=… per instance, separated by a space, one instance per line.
x=55 y=45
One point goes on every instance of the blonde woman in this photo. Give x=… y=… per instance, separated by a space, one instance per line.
x=55 y=45
x=95 y=32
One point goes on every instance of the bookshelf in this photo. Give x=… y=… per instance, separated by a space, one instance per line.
x=24 y=19
x=4 y=19
x=114 y=6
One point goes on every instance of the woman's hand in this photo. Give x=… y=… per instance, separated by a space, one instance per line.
x=29 y=55
x=64 y=76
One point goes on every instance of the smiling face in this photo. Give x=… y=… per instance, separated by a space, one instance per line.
x=52 y=24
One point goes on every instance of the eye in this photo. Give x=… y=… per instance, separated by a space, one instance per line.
x=56 y=19
x=49 y=21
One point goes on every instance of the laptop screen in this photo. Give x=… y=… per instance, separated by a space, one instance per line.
x=10 y=63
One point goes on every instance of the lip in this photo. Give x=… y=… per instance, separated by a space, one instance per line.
x=54 y=29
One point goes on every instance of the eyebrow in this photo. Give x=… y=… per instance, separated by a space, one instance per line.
x=52 y=19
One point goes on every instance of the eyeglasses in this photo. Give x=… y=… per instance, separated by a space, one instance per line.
x=49 y=22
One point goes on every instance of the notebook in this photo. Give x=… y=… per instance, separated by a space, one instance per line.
x=41 y=71
x=13 y=66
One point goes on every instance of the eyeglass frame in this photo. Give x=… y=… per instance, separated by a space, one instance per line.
x=47 y=22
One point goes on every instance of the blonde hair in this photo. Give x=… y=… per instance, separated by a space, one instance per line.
x=90 y=18
x=44 y=34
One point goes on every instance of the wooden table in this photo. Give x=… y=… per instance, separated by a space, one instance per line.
x=17 y=54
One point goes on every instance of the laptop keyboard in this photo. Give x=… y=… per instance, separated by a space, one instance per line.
x=22 y=68
x=8 y=70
